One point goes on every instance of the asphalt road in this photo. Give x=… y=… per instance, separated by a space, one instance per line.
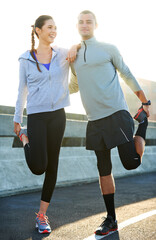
x=76 y=211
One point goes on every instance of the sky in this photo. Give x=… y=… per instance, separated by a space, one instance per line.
x=128 y=24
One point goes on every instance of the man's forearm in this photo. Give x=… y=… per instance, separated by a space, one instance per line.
x=73 y=84
x=73 y=87
x=140 y=94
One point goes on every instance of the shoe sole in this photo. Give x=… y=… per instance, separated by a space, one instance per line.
x=107 y=233
x=45 y=231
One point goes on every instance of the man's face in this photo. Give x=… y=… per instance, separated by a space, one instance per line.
x=86 y=25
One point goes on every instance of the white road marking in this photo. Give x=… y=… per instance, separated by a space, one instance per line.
x=136 y=219
x=125 y=224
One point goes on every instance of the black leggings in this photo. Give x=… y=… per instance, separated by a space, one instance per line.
x=45 y=133
x=128 y=155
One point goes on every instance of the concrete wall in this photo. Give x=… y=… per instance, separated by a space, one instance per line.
x=76 y=164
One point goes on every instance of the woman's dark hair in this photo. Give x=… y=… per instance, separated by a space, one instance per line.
x=40 y=21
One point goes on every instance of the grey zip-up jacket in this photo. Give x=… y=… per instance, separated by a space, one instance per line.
x=44 y=91
x=94 y=73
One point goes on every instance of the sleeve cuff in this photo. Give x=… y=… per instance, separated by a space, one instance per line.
x=18 y=119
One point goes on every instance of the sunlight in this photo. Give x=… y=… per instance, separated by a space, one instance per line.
x=128 y=24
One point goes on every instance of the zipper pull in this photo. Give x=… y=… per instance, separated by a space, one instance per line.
x=85 y=51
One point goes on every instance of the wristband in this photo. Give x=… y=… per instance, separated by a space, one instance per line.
x=147 y=103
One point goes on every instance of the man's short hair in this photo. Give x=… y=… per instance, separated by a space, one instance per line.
x=89 y=12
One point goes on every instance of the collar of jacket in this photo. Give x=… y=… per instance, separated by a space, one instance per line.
x=89 y=41
x=28 y=56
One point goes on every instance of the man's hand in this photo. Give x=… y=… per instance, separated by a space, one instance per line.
x=140 y=94
x=17 y=128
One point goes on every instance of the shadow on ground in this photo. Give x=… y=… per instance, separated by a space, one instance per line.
x=69 y=204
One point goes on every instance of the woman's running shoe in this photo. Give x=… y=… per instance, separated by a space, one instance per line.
x=23 y=131
x=42 y=223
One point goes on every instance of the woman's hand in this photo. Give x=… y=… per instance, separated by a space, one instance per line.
x=72 y=53
x=17 y=128
x=146 y=109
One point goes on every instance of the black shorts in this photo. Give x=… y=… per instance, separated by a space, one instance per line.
x=110 y=131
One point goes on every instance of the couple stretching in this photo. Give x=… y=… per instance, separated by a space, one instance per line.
x=44 y=83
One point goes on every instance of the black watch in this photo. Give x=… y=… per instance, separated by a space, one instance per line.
x=147 y=103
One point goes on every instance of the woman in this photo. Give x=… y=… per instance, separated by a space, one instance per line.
x=44 y=82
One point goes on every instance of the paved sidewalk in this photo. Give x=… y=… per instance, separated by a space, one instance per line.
x=76 y=211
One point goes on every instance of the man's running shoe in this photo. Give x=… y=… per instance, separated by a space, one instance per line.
x=107 y=226
x=23 y=131
x=42 y=223
x=140 y=115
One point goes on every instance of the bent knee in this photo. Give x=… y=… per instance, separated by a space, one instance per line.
x=132 y=164
x=37 y=170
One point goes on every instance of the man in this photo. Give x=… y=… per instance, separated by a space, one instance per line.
x=94 y=73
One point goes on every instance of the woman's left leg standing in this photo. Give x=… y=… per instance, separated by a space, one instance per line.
x=55 y=130
x=45 y=132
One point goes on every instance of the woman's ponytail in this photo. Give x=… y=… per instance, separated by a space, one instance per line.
x=33 y=47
